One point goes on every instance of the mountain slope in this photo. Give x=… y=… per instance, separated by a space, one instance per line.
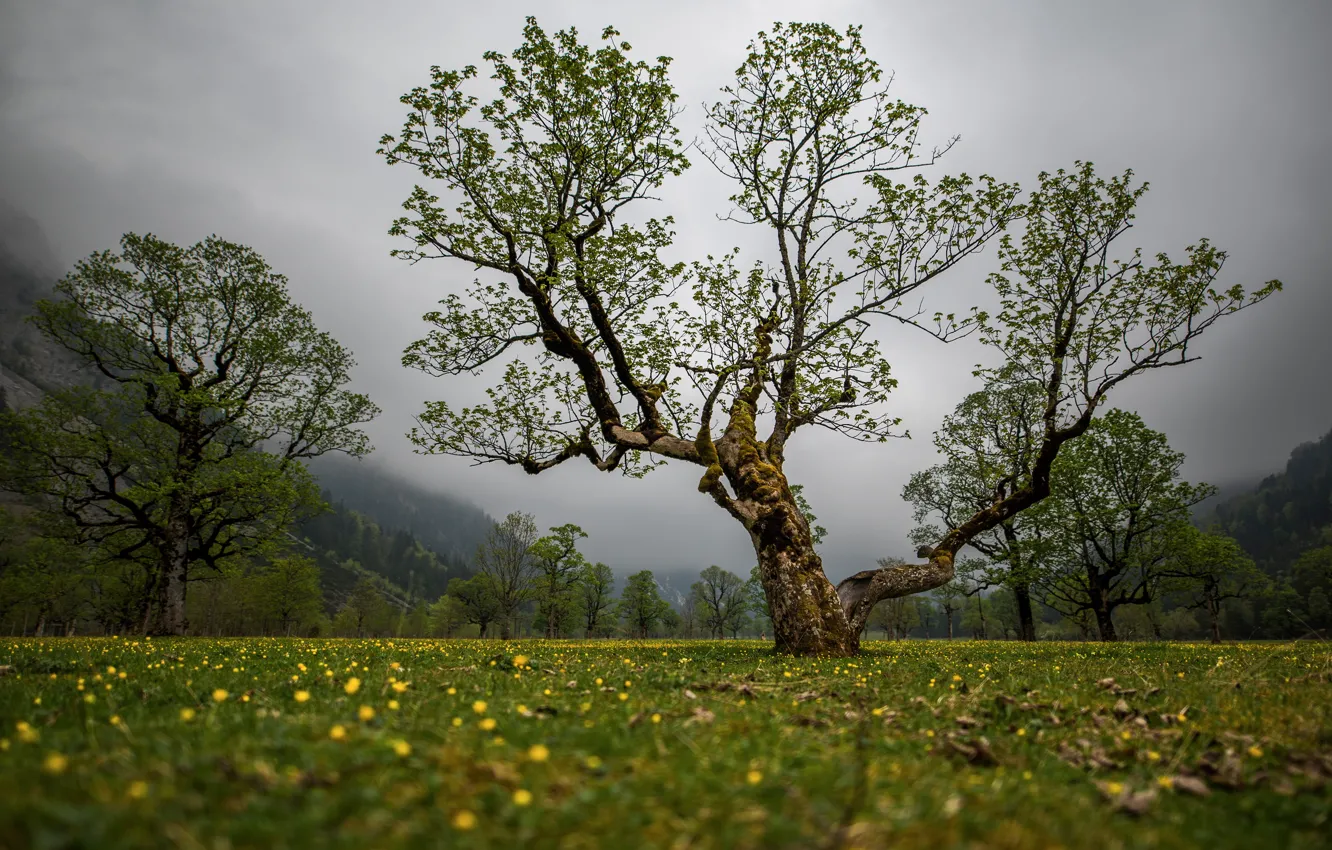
x=448 y=525
x=1287 y=513
x=347 y=545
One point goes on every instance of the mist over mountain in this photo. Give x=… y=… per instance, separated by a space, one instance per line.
x=1286 y=513
x=447 y=524
x=29 y=365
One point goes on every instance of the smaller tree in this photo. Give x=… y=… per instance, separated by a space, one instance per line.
x=1311 y=576
x=506 y=558
x=721 y=598
x=365 y=612
x=289 y=592
x=447 y=615
x=896 y=617
x=1115 y=517
x=558 y=566
x=950 y=597
x=479 y=598
x=596 y=585
x=1209 y=569
x=641 y=606
x=214 y=386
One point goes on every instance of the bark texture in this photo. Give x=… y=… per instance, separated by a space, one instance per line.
x=1026 y=619
x=807 y=615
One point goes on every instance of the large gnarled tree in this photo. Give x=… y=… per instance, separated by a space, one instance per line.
x=639 y=361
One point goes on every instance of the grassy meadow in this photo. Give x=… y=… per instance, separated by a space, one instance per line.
x=198 y=743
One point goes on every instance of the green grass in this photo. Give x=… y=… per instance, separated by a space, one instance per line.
x=626 y=744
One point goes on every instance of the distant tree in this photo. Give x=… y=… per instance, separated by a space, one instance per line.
x=1116 y=516
x=721 y=599
x=990 y=443
x=1311 y=579
x=414 y=622
x=480 y=599
x=950 y=597
x=689 y=616
x=896 y=617
x=290 y=593
x=928 y=614
x=1007 y=622
x=596 y=585
x=366 y=612
x=558 y=566
x=219 y=386
x=641 y=606
x=671 y=621
x=447 y=615
x=506 y=557
x=1209 y=569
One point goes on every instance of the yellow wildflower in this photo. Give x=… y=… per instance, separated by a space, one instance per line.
x=754 y=777
x=464 y=820
x=220 y=695
x=538 y=752
x=522 y=797
x=366 y=713
x=55 y=763
x=479 y=706
x=353 y=685
x=302 y=696
x=338 y=732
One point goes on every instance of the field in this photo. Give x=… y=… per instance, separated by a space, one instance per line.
x=118 y=742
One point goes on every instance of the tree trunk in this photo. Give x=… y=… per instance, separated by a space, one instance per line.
x=1026 y=620
x=1105 y=623
x=173 y=571
x=1214 y=614
x=807 y=616
x=806 y=610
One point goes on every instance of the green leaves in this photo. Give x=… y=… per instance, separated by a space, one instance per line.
x=213 y=386
x=574 y=135
x=1079 y=314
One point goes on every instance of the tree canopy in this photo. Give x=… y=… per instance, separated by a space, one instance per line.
x=215 y=385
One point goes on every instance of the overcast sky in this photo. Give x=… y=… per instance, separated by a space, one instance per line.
x=258 y=120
